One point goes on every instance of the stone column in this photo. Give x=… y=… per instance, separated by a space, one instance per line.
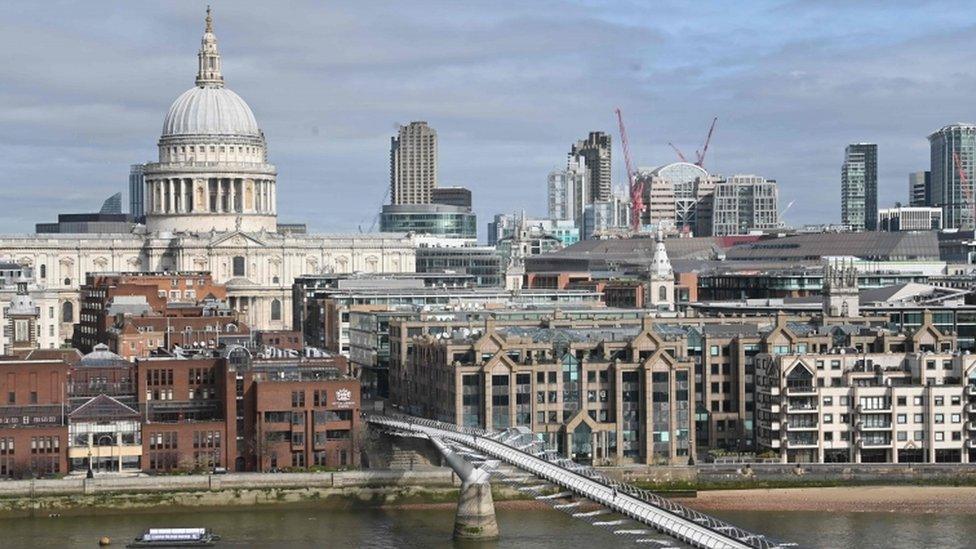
x=171 y=204
x=232 y=183
x=274 y=198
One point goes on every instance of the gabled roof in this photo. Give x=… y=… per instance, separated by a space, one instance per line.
x=103 y=407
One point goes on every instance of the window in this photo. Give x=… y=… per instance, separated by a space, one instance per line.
x=275 y=309
x=238 y=265
x=43 y=271
x=940 y=418
x=919 y=418
x=902 y=436
x=902 y=401
x=714 y=350
x=939 y=437
x=902 y=419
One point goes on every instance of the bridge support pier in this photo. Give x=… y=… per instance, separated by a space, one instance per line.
x=475 y=518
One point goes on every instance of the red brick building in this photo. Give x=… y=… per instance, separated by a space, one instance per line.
x=135 y=293
x=33 y=426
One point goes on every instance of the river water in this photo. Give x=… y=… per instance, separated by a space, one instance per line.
x=291 y=527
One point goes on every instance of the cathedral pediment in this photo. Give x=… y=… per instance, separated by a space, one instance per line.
x=236 y=239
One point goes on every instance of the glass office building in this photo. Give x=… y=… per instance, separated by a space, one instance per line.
x=431 y=219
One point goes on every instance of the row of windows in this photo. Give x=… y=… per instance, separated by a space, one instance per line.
x=163 y=441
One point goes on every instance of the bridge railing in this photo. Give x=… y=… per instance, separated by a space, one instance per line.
x=745 y=537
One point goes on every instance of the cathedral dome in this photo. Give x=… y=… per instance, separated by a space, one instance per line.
x=210 y=110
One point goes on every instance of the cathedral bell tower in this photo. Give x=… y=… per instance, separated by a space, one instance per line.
x=661 y=278
x=840 y=293
x=22 y=319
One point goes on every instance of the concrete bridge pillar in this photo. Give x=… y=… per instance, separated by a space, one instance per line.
x=475 y=518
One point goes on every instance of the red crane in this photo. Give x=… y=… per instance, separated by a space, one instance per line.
x=636 y=187
x=704 y=149
x=964 y=187
x=677 y=150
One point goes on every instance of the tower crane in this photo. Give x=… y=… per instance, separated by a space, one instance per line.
x=677 y=150
x=636 y=187
x=704 y=149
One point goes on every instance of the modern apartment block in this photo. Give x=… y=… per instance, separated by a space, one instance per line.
x=744 y=203
x=871 y=407
x=859 y=186
x=413 y=164
x=920 y=188
x=599 y=396
x=596 y=153
x=953 y=168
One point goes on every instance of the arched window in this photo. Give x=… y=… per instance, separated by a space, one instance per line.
x=67 y=312
x=43 y=271
x=275 y=309
x=662 y=293
x=67 y=282
x=238 y=266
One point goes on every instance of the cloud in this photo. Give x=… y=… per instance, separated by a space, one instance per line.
x=508 y=89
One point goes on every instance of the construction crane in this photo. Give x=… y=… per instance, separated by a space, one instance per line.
x=677 y=150
x=704 y=149
x=636 y=187
x=965 y=188
x=787 y=208
x=376 y=218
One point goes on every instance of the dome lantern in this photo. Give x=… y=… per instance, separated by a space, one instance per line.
x=208 y=71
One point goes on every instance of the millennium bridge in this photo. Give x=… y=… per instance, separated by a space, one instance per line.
x=516 y=457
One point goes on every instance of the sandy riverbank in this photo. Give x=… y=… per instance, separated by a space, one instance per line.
x=876 y=499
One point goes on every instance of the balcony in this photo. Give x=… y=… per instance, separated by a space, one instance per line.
x=971 y=407
x=970 y=425
x=971 y=390
x=874 y=443
x=802 y=409
x=806 y=442
x=970 y=443
x=801 y=390
x=801 y=426
x=873 y=426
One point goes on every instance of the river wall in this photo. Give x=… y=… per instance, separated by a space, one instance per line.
x=347 y=489
x=773 y=475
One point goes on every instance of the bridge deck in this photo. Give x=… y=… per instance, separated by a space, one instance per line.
x=682 y=523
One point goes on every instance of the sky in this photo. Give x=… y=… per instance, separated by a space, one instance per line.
x=508 y=85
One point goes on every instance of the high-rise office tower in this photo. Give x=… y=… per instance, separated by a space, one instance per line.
x=413 y=164
x=859 y=187
x=595 y=151
x=920 y=188
x=744 y=203
x=569 y=191
x=137 y=192
x=949 y=191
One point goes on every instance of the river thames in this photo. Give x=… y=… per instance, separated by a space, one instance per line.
x=291 y=527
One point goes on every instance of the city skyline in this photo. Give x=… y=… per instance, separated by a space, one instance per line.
x=74 y=128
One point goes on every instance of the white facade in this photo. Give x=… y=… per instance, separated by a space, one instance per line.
x=910 y=218
x=211 y=198
x=892 y=407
